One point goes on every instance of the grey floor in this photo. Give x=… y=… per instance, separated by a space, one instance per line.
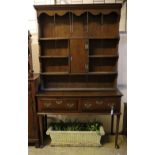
x=106 y=149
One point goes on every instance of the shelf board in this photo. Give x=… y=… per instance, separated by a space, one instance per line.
x=54 y=38
x=103 y=56
x=79 y=89
x=52 y=57
x=102 y=73
x=54 y=73
x=88 y=73
x=85 y=37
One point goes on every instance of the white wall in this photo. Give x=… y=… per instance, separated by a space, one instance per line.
x=122 y=65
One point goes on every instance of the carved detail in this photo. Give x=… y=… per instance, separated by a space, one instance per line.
x=76 y=13
x=88 y=105
x=70 y=105
x=47 y=105
x=59 y=102
x=98 y=102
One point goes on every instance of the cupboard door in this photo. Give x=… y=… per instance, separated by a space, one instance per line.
x=79 y=55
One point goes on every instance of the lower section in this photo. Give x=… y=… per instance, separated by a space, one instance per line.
x=79 y=102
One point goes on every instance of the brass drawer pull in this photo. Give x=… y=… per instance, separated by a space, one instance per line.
x=87 y=105
x=47 y=105
x=70 y=105
x=59 y=102
x=99 y=102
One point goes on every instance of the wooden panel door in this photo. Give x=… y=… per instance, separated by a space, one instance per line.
x=79 y=55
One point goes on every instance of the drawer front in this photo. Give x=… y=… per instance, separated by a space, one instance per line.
x=100 y=105
x=57 y=105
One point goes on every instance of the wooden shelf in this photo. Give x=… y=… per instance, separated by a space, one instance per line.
x=54 y=73
x=88 y=73
x=83 y=93
x=79 y=89
x=53 y=57
x=103 y=56
x=53 y=38
x=77 y=37
x=102 y=73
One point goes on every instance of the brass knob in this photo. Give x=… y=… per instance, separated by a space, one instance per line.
x=70 y=105
x=99 y=102
x=59 y=102
x=87 y=105
x=47 y=105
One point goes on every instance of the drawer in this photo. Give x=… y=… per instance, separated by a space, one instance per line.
x=100 y=105
x=57 y=105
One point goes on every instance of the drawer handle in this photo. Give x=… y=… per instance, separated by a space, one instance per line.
x=70 y=105
x=99 y=102
x=87 y=105
x=47 y=105
x=111 y=104
x=59 y=102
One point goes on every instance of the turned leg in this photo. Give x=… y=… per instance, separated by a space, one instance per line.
x=112 y=123
x=117 y=130
x=41 y=130
x=45 y=122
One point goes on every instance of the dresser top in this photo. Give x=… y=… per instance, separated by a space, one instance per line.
x=81 y=6
x=77 y=9
x=109 y=93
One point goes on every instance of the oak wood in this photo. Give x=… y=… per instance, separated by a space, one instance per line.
x=33 y=130
x=78 y=59
x=117 y=130
x=79 y=56
x=112 y=123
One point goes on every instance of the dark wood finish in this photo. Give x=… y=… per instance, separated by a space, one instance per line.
x=30 y=66
x=41 y=130
x=78 y=59
x=100 y=104
x=33 y=131
x=79 y=56
x=125 y=120
x=57 y=105
x=117 y=130
x=112 y=123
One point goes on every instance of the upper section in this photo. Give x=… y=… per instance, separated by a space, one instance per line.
x=78 y=46
x=78 y=21
x=78 y=9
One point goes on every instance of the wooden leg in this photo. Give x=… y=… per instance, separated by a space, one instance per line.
x=117 y=130
x=45 y=123
x=112 y=123
x=37 y=144
x=41 y=130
